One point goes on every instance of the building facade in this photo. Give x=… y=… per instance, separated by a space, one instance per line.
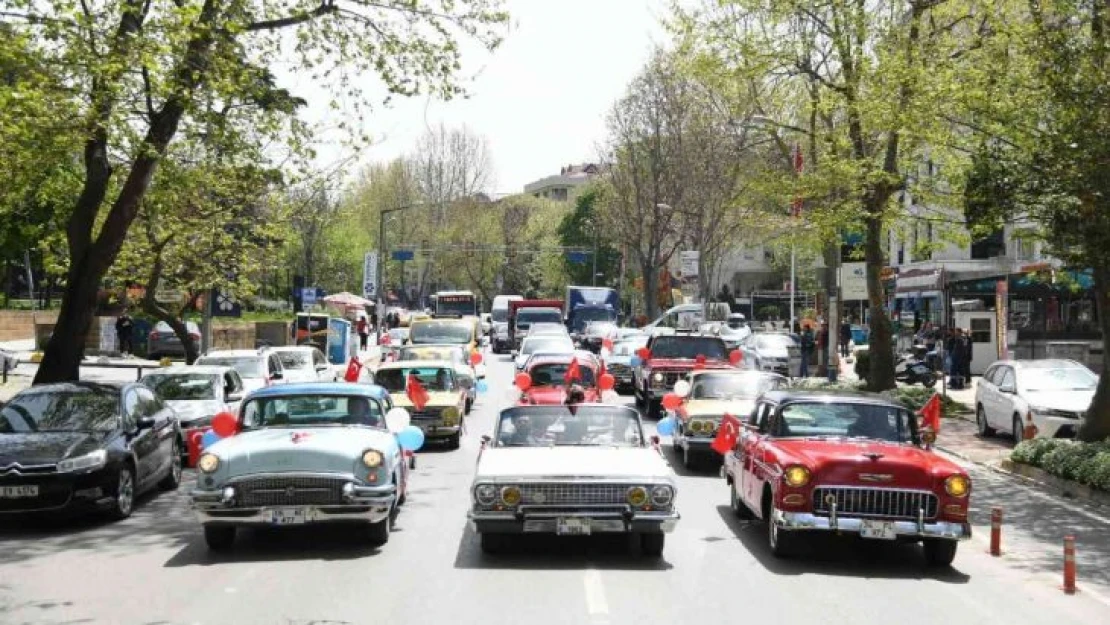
x=566 y=186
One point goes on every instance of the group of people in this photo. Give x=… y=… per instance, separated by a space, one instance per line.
x=365 y=325
x=957 y=349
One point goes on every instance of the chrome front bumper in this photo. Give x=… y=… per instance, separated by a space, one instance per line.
x=539 y=520
x=368 y=504
x=914 y=529
x=696 y=444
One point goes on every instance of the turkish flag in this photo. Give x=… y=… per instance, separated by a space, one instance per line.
x=727 y=435
x=573 y=372
x=416 y=392
x=930 y=414
x=353 y=369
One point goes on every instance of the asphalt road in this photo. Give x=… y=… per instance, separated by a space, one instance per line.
x=154 y=568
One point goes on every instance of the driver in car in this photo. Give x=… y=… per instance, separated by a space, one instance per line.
x=522 y=432
x=358 y=409
x=872 y=425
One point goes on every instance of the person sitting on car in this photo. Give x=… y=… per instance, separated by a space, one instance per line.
x=576 y=395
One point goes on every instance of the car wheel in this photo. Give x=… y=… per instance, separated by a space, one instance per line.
x=454 y=440
x=738 y=507
x=173 y=477
x=378 y=533
x=492 y=543
x=940 y=552
x=219 y=537
x=1018 y=430
x=981 y=421
x=651 y=544
x=780 y=541
x=468 y=407
x=123 y=502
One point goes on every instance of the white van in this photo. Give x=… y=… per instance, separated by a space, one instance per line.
x=499 y=317
x=686 y=318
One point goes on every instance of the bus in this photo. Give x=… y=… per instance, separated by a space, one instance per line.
x=455 y=304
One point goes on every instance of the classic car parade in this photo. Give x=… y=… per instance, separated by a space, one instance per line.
x=708 y=395
x=305 y=453
x=570 y=471
x=466 y=374
x=669 y=358
x=548 y=383
x=441 y=415
x=809 y=461
x=196 y=393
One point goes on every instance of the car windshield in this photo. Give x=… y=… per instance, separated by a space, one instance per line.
x=583 y=316
x=311 y=410
x=688 y=347
x=247 y=367
x=427 y=353
x=175 y=386
x=547 y=344
x=569 y=426
x=554 y=374
x=499 y=315
x=1058 y=379
x=774 y=341
x=852 y=420
x=441 y=332
x=455 y=305
x=733 y=385
x=295 y=360
x=538 y=315
x=61 y=411
x=431 y=378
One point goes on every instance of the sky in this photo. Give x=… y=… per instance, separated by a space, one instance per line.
x=540 y=99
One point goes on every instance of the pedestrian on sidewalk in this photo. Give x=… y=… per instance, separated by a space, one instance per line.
x=363 y=332
x=845 y=337
x=124 y=329
x=808 y=343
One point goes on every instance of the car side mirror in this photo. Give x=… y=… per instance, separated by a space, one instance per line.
x=144 y=423
x=277 y=375
x=1008 y=389
x=233 y=397
x=321 y=368
x=486 y=438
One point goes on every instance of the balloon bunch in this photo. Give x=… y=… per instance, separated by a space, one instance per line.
x=224 y=424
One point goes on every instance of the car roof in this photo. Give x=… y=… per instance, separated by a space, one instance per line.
x=294 y=348
x=416 y=364
x=829 y=397
x=700 y=372
x=235 y=353
x=95 y=387
x=1048 y=363
x=190 y=369
x=321 y=388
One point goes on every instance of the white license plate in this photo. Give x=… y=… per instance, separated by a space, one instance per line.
x=18 y=492
x=572 y=526
x=881 y=530
x=289 y=516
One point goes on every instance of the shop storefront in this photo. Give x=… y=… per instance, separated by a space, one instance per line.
x=919 y=297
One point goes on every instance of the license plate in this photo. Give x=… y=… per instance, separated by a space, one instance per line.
x=571 y=526
x=17 y=492
x=881 y=530
x=289 y=516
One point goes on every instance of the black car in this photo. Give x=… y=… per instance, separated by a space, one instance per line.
x=83 y=447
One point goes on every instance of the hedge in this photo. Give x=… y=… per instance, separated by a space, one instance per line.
x=912 y=397
x=1086 y=463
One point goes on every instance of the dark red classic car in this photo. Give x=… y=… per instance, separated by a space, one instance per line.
x=846 y=463
x=671 y=357
x=548 y=379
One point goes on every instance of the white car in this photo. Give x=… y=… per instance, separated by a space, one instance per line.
x=196 y=393
x=1053 y=395
x=776 y=352
x=551 y=470
x=543 y=343
x=304 y=363
x=258 y=368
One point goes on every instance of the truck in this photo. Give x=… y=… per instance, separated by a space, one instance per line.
x=523 y=313
x=584 y=304
x=671 y=357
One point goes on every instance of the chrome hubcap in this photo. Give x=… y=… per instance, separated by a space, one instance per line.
x=126 y=491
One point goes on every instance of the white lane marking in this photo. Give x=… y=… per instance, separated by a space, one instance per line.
x=596 y=604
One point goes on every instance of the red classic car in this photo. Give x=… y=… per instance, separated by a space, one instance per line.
x=847 y=463
x=548 y=373
x=671 y=357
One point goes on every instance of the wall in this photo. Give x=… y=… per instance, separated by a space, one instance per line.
x=19 y=325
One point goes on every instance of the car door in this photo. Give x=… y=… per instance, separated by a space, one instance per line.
x=1007 y=397
x=984 y=392
x=142 y=442
x=751 y=454
x=233 y=391
x=165 y=434
x=993 y=403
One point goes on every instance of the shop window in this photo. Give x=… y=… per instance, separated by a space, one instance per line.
x=990 y=246
x=981 y=331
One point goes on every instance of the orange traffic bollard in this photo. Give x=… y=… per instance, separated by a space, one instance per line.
x=1069 y=565
x=996 y=531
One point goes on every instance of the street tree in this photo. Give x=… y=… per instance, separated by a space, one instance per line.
x=138 y=72
x=583 y=228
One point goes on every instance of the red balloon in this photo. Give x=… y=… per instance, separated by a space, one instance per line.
x=671 y=401
x=475 y=358
x=225 y=424
x=523 y=381
x=735 y=356
x=644 y=353
x=606 y=382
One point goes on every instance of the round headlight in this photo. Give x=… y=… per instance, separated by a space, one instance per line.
x=637 y=496
x=450 y=413
x=658 y=377
x=208 y=463
x=662 y=495
x=796 y=476
x=485 y=494
x=372 y=458
x=957 y=486
x=510 y=495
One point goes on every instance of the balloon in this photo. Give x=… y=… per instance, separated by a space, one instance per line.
x=483 y=386
x=475 y=358
x=397 y=419
x=644 y=353
x=735 y=357
x=523 y=381
x=411 y=438
x=225 y=424
x=665 y=427
x=635 y=361
x=682 y=388
x=606 y=382
x=671 y=401
x=210 y=438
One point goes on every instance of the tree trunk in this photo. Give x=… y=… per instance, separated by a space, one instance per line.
x=1096 y=425
x=880 y=375
x=62 y=360
x=651 y=290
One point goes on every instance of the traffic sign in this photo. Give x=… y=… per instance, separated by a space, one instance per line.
x=308 y=296
x=577 y=257
x=370 y=275
x=403 y=255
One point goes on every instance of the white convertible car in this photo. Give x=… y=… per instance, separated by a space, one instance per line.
x=572 y=470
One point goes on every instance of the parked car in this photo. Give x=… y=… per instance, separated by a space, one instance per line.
x=84 y=447
x=196 y=394
x=548 y=374
x=544 y=343
x=1051 y=395
x=595 y=334
x=257 y=368
x=810 y=461
x=305 y=363
x=777 y=352
x=442 y=416
x=305 y=454
x=466 y=374
x=586 y=469
x=8 y=360
x=163 y=342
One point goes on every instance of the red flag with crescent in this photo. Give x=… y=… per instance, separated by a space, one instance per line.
x=353 y=369
x=573 y=372
x=727 y=435
x=416 y=392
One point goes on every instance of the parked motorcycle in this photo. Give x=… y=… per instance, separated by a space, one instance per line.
x=911 y=369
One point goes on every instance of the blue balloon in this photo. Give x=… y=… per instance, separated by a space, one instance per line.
x=635 y=362
x=208 y=439
x=665 y=427
x=483 y=386
x=411 y=438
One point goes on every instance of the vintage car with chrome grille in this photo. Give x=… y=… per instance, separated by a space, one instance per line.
x=466 y=374
x=317 y=452
x=618 y=362
x=811 y=461
x=442 y=416
x=708 y=395
x=571 y=471
x=548 y=375
x=671 y=357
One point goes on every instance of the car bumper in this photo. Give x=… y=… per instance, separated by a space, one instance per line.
x=609 y=521
x=1056 y=427
x=368 y=504
x=437 y=431
x=843 y=524
x=696 y=445
x=61 y=494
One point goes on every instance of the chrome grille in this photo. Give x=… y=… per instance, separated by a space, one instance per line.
x=574 y=494
x=875 y=502
x=620 y=369
x=429 y=415
x=289 y=491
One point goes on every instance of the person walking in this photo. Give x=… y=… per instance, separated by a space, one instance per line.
x=363 y=332
x=845 y=338
x=808 y=341
x=124 y=329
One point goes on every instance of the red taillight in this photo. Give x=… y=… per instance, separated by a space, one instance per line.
x=194 y=336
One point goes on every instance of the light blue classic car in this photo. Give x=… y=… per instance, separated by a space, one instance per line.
x=305 y=453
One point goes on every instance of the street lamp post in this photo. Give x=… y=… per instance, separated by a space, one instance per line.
x=379 y=305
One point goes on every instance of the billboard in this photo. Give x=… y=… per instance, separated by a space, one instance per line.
x=370 y=275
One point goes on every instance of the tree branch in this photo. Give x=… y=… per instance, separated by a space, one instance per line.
x=326 y=7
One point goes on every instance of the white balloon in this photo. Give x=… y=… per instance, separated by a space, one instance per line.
x=682 y=388
x=397 y=420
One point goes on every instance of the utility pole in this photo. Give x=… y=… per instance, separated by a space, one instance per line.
x=593 y=276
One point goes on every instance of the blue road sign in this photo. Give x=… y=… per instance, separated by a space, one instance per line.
x=308 y=296
x=403 y=255
x=577 y=257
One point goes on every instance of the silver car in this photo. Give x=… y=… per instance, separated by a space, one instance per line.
x=162 y=342
x=777 y=352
